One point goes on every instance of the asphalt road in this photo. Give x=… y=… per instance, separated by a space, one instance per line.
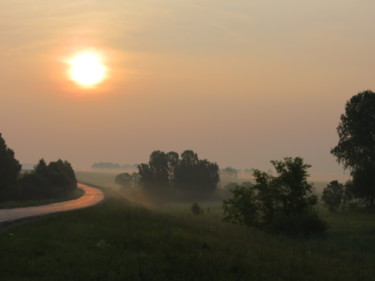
x=91 y=196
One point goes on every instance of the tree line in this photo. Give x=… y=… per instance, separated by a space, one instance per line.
x=53 y=180
x=171 y=171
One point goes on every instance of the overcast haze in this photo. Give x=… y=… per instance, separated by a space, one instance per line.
x=239 y=82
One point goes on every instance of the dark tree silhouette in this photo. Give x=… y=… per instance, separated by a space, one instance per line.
x=363 y=183
x=154 y=174
x=57 y=179
x=192 y=174
x=356 y=146
x=188 y=173
x=357 y=132
x=9 y=167
x=333 y=195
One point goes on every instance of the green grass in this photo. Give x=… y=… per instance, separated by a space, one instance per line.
x=18 y=204
x=122 y=241
x=119 y=240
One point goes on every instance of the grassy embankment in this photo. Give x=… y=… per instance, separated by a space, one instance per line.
x=119 y=240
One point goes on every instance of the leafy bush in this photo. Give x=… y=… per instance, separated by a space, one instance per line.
x=276 y=203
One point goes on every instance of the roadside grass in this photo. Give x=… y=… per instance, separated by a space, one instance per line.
x=119 y=240
x=18 y=204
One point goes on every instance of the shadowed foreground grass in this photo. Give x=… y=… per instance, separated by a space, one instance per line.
x=121 y=241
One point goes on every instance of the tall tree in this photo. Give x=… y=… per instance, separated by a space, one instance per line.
x=155 y=173
x=356 y=146
x=193 y=174
x=9 y=166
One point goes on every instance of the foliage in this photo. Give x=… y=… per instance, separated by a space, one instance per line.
x=155 y=173
x=188 y=173
x=194 y=174
x=333 y=195
x=127 y=180
x=196 y=209
x=356 y=146
x=273 y=200
x=363 y=183
x=57 y=179
x=243 y=207
x=9 y=169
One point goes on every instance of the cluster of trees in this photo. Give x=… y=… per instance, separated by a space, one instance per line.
x=57 y=179
x=283 y=203
x=356 y=148
x=166 y=171
x=113 y=166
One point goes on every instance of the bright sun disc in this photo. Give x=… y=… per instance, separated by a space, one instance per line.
x=86 y=69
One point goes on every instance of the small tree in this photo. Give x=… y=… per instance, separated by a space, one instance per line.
x=127 y=180
x=333 y=195
x=244 y=207
x=282 y=203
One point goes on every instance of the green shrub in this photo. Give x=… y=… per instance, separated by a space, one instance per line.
x=282 y=203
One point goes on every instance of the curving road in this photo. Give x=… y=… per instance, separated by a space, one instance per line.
x=91 y=196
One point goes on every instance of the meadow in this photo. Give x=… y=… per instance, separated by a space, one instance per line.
x=124 y=240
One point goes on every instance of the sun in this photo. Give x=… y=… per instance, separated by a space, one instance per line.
x=86 y=69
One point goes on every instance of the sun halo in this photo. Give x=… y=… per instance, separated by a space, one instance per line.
x=87 y=70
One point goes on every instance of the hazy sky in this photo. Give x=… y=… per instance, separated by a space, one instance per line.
x=239 y=82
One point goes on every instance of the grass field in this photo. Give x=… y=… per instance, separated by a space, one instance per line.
x=119 y=240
